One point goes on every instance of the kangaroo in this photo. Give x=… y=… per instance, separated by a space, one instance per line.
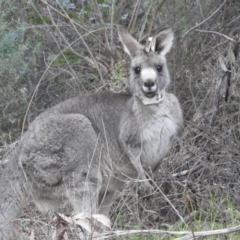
x=83 y=149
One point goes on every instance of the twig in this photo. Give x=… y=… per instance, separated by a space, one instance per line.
x=187 y=219
x=229 y=73
x=111 y=31
x=103 y=23
x=216 y=33
x=154 y=17
x=185 y=172
x=188 y=198
x=166 y=198
x=64 y=39
x=235 y=19
x=223 y=231
x=134 y=15
x=188 y=234
x=78 y=25
x=216 y=97
x=205 y=20
x=219 y=83
x=145 y=20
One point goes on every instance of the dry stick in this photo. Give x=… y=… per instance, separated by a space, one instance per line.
x=103 y=23
x=187 y=219
x=145 y=20
x=188 y=234
x=218 y=85
x=235 y=19
x=134 y=13
x=199 y=24
x=200 y=9
x=80 y=36
x=85 y=44
x=211 y=233
x=77 y=24
x=216 y=33
x=154 y=17
x=111 y=32
x=186 y=194
x=229 y=73
x=195 y=168
x=166 y=198
x=194 y=53
x=202 y=40
x=216 y=102
x=64 y=39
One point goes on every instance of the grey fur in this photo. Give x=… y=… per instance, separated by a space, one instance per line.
x=84 y=148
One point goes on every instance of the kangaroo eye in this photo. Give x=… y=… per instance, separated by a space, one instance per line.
x=159 y=68
x=137 y=70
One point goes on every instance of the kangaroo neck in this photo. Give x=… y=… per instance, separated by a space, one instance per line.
x=142 y=110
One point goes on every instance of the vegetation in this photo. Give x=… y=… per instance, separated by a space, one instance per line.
x=51 y=50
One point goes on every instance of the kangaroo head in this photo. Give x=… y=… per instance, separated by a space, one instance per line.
x=148 y=72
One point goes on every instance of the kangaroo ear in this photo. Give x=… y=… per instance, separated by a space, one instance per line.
x=130 y=45
x=161 y=43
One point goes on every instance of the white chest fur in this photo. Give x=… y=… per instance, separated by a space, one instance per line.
x=156 y=133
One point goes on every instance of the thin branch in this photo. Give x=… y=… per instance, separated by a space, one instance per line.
x=216 y=33
x=103 y=23
x=199 y=24
x=154 y=17
x=235 y=19
x=79 y=25
x=188 y=234
x=134 y=15
x=188 y=198
x=111 y=30
x=223 y=231
x=219 y=81
x=167 y=199
x=82 y=39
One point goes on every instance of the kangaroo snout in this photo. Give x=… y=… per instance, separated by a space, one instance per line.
x=149 y=86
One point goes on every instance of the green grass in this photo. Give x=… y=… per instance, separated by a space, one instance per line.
x=65 y=57
x=202 y=221
x=210 y=221
x=36 y=19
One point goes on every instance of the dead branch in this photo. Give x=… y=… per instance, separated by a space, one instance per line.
x=216 y=33
x=205 y=20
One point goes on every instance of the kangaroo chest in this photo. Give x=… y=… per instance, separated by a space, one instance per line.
x=155 y=135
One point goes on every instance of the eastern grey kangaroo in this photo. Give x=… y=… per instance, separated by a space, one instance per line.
x=85 y=148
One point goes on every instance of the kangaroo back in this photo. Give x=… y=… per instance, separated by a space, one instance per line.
x=82 y=150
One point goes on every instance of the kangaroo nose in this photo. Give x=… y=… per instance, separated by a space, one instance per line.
x=149 y=84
